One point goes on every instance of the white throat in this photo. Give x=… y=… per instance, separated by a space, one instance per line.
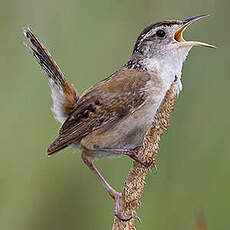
x=168 y=66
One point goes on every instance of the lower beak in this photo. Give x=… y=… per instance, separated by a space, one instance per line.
x=178 y=36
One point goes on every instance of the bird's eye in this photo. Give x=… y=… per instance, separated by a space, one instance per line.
x=160 y=33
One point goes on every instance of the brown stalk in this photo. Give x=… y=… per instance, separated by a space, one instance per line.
x=134 y=183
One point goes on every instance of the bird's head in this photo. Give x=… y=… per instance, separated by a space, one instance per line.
x=166 y=38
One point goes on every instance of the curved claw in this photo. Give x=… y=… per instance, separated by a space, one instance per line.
x=117 y=209
x=139 y=203
x=155 y=167
x=147 y=164
x=122 y=218
x=138 y=218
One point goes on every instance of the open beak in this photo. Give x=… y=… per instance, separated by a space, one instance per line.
x=178 y=36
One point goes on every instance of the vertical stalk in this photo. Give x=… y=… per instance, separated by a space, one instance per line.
x=134 y=183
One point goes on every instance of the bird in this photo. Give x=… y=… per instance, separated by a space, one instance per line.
x=111 y=118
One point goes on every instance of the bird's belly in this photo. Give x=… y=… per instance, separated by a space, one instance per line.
x=133 y=129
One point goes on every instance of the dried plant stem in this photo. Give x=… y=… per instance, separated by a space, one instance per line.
x=134 y=183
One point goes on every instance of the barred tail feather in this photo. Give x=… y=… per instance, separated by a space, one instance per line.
x=64 y=96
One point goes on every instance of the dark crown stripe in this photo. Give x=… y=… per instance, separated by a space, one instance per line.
x=146 y=30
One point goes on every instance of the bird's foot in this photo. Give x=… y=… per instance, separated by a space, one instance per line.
x=117 y=212
x=133 y=153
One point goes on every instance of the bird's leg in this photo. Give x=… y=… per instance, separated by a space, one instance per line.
x=112 y=192
x=131 y=153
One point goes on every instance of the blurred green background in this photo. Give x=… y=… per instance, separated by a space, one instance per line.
x=90 y=40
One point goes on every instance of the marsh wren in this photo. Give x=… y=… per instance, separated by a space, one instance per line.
x=111 y=118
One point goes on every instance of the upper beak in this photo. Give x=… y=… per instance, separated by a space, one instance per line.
x=178 y=36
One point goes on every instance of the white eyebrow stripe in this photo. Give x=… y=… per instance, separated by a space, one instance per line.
x=150 y=33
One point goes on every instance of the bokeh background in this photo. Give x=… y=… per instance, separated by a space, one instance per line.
x=90 y=40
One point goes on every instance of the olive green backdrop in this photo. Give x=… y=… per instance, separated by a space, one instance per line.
x=90 y=40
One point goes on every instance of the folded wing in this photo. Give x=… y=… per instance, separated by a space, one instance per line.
x=102 y=107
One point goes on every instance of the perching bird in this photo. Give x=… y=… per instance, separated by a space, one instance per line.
x=111 y=118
